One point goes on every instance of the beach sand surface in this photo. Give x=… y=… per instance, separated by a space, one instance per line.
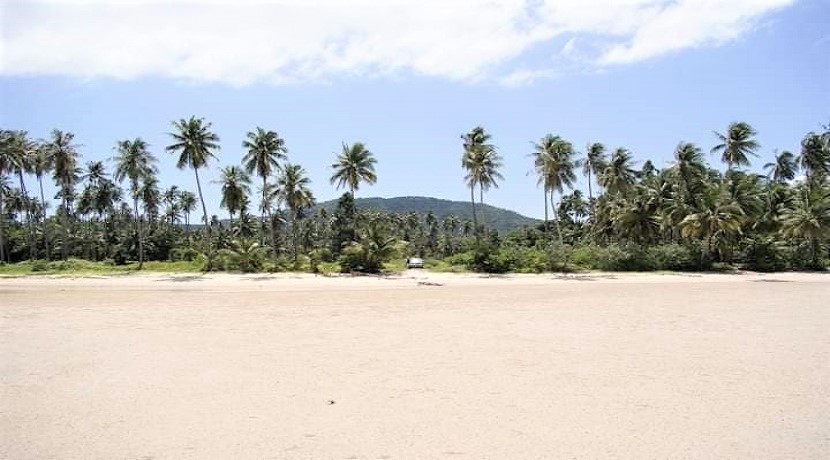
x=416 y=366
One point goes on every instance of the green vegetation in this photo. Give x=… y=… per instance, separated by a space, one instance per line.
x=688 y=216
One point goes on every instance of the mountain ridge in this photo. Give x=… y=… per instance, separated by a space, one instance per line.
x=503 y=220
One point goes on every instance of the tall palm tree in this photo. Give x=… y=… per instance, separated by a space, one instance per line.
x=737 y=144
x=65 y=175
x=783 y=168
x=265 y=149
x=135 y=162
x=619 y=174
x=594 y=164
x=474 y=144
x=42 y=163
x=293 y=190
x=355 y=164
x=235 y=189
x=195 y=144
x=554 y=164
x=482 y=163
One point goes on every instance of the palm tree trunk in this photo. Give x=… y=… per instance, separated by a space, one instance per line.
x=263 y=213
x=473 y=201
x=2 y=229
x=294 y=237
x=45 y=225
x=545 y=193
x=481 y=202
x=556 y=218
x=31 y=234
x=590 y=194
x=140 y=235
x=204 y=209
x=65 y=245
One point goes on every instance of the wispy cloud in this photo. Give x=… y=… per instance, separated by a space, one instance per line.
x=283 y=41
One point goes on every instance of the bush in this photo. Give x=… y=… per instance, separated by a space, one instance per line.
x=672 y=257
x=764 y=255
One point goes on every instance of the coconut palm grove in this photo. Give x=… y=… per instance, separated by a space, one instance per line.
x=693 y=215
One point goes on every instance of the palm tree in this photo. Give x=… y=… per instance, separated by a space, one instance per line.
x=815 y=155
x=292 y=189
x=195 y=144
x=42 y=163
x=65 y=175
x=594 y=164
x=717 y=217
x=554 y=165
x=737 y=144
x=474 y=143
x=619 y=174
x=355 y=164
x=187 y=202
x=689 y=169
x=18 y=151
x=235 y=189
x=809 y=219
x=482 y=163
x=265 y=149
x=135 y=162
x=171 y=199
x=783 y=168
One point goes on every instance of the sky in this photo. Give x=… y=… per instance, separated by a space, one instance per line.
x=408 y=78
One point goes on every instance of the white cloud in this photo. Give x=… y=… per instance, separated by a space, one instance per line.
x=240 y=42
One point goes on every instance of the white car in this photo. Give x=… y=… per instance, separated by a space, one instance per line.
x=414 y=262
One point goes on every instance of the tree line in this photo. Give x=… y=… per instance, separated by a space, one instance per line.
x=687 y=216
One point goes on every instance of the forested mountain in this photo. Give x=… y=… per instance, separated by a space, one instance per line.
x=502 y=220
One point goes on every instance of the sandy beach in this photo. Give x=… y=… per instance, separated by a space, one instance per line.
x=416 y=366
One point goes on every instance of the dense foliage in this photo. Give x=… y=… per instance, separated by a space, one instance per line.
x=688 y=216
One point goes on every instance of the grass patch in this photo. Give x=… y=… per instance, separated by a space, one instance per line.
x=86 y=267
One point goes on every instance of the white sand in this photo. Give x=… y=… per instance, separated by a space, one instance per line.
x=520 y=367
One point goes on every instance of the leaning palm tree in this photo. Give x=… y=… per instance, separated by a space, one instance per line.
x=784 y=167
x=554 y=164
x=265 y=149
x=292 y=189
x=737 y=144
x=235 y=189
x=195 y=144
x=65 y=175
x=355 y=164
x=135 y=162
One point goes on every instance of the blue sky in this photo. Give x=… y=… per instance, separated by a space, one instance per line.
x=409 y=78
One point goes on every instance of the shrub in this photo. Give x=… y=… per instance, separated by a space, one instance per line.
x=671 y=257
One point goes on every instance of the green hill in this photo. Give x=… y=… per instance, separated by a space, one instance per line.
x=501 y=219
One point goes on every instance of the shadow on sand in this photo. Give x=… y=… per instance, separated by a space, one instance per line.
x=182 y=279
